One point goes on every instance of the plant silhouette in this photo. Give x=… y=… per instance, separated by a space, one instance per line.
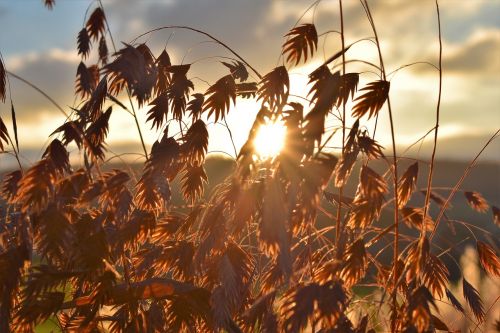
x=103 y=250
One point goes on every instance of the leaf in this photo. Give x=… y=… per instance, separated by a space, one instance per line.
x=96 y=134
x=261 y=314
x=372 y=100
x=52 y=234
x=4 y=134
x=133 y=67
x=472 y=297
x=92 y=108
x=302 y=42
x=454 y=301
x=10 y=185
x=103 y=51
x=406 y=184
x=86 y=80
x=435 y=276
x=369 y=147
x=274 y=87
x=192 y=182
x=3 y=74
x=83 y=43
x=355 y=263
x=96 y=23
x=238 y=70
x=179 y=90
x=163 y=79
x=196 y=142
x=57 y=154
x=324 y=90
x=413 y=217
x=348 y=86
x=49 y=3
x=246 y=90
x=158 y=113
x=438 y=324
x=476 y=201
x=496 y=215
x=195 y=106
x=220 y=95
x=311 y=304
x=488 y=258
x=345 y=166
x=71 y=132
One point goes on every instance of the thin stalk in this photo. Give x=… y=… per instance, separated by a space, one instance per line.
x=205 y=34
x=431 y=168
x=394 y=167
x=231 y=138
x=341 y=190
x=459 y=183
x=134 y=114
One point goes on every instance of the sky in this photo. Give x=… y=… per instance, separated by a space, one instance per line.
x=40 y=46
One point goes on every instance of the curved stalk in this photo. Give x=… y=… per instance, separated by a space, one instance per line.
x=431 y=168
x=205 y=34
x=394 y=167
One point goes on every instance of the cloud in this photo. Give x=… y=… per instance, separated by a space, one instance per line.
x=479 y=54
x=52 y=71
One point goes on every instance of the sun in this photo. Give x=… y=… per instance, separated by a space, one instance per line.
x=270 y=139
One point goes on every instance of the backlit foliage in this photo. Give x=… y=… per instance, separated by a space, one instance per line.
x=100 y=250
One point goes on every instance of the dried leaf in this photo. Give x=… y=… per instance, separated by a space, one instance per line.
x=355 y=263
x=454 y=301
x=195 y=106
x=435 y=276
x=179 y=90
x=10 y=185
x=103 y=51
x=96 y=23
x=238 y=70
x=372 y=100
x=3 y=75
x=83 y=43
x=158 y=113
x=496 y=215
x=472 y=297
x=302 y=42
x=274 y=87
x=4 y=134
x=96 y=134
x=220 y=95
x=192 y=182
x=86 y=80
x=413 y=217
x=49 y=3
x=476 y=201
x=488 y=258
x=196 y=142
x=247 y=89
x=406 y=184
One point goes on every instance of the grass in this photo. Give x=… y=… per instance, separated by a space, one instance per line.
x=312 y=239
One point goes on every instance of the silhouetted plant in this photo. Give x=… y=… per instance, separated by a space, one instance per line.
x=116 y=254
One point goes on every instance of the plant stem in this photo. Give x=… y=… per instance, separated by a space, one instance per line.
x=232 y=140
x=203 y=33
x=395 y=172
x=341 y=190
x=431 y=168
x=128 y=91
x=459 y=183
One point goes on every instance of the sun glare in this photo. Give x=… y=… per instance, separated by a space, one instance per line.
x=270 y=139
